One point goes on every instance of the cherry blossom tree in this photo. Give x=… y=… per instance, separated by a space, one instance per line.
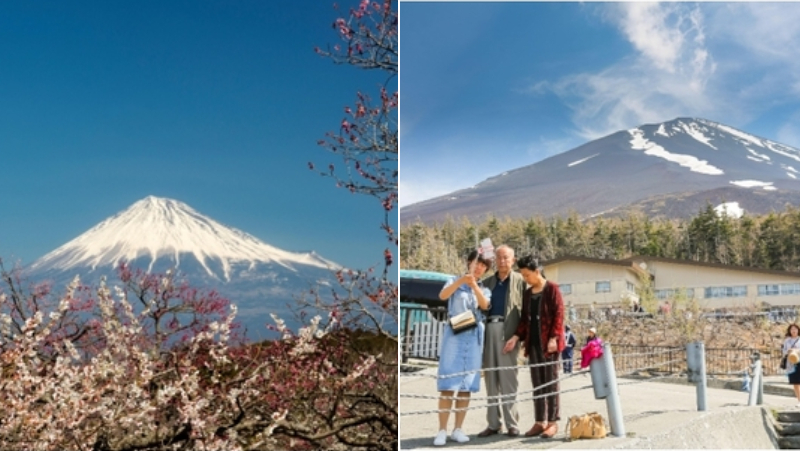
x=306 y=391
x=21 y=300
x=367 y=143
x=367 y=137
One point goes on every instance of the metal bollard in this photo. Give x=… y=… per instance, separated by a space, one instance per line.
x=696 y=368
x=756 y=385
x=599 y=380
x=612 y=400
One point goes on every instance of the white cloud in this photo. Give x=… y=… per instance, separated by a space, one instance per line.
x=667 y=75
x=645 y=24
x=769 y=32
x=729 y=62
x=669 y=36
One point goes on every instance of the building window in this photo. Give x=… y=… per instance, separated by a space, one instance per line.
x=566 y=288
x=602 y=287
x=669 y=293
x=790 y=288
x=726 y=292
x=631 y=287
x=769 y=290
x=783 y=289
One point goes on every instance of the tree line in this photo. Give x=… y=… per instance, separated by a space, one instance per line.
x=770 y=241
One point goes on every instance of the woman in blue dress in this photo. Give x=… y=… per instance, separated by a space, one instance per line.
x=461 y=353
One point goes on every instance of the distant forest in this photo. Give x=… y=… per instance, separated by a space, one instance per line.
x=770 y=241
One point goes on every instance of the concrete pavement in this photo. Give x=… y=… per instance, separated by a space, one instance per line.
x=655 y=415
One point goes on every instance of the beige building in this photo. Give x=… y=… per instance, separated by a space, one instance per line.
x=587 y=281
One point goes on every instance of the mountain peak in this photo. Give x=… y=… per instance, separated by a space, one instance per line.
x=681 y=158
x=156 y=227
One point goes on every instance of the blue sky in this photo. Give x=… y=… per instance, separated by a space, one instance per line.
x=217 y=104
x=493 y=86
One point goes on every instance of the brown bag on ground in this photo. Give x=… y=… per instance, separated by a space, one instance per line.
x=590 y=425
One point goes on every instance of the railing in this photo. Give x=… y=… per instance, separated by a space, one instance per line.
x=719 y=361
x=421 y=331
x=653 y=359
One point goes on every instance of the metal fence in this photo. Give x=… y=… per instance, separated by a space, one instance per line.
x=672 y=360
x=421 y=331
x=652 y=359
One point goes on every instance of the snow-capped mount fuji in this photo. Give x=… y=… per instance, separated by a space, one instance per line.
x=157 y=228
x=666 y=169
x=158 y=234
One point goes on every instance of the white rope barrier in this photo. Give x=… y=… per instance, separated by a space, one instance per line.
x=483 y=406
x=520 y=396
x=503 y=368
x=413 y=396
x=518 y=367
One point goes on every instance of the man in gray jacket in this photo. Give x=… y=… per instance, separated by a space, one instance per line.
x=507 y=288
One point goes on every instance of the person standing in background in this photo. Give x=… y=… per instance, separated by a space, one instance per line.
x=569 y=349
x=792 y=344
x=592 y=335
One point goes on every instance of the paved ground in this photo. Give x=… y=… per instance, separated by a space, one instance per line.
x=655 y=415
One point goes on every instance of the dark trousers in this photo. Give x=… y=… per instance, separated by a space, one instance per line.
x=545 y=407
x=566 y=357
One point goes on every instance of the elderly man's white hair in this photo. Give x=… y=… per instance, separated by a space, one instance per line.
x=504 y=247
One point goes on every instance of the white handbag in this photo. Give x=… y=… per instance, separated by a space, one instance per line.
x=463 y=322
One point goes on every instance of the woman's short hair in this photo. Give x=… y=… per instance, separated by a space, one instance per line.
x=474 y=255
x=531 y=263
x=789 y=329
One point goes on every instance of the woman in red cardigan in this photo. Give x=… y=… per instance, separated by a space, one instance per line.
x=541 y=327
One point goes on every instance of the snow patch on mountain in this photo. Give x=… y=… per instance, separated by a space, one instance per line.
x=157 y=227
x=754 y=184
x=581 y=160
x=732 y=209
x=783 y=150
x=747 y=138
x=639 y=142
x=744 y=137
x=692 y=129
x=760 y=156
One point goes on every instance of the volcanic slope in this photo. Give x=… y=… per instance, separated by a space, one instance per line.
x=654 y=167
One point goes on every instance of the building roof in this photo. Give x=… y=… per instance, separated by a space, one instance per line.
x=712 y=265
x=630 y=264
